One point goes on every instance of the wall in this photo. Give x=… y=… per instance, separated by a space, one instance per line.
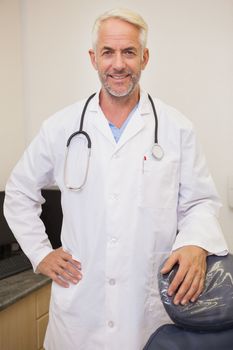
x=190 y=67
x=12 y=135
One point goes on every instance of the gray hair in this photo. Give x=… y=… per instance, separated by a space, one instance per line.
x=125 y=15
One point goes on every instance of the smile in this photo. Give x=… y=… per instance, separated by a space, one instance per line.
x=118 y=77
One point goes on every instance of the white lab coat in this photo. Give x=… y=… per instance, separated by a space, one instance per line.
x=121 y=226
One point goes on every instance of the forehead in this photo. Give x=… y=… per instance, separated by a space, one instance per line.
x=116 y=32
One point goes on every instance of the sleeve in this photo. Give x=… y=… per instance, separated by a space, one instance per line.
x=23 y=199
x=198 y=205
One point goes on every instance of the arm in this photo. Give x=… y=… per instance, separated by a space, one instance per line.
x=199 y=232
x=22 y=209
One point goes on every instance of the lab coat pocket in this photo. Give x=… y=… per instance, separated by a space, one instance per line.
x=159 y=184
x=63 y=297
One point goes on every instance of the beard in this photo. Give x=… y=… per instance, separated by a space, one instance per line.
x=129 y=88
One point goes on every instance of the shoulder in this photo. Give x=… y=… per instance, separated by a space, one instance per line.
x=56 y=129
x=59 y=126
x=169 y=114
x=68 y=115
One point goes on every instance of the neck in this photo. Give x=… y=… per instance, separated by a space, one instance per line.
x=117 y=109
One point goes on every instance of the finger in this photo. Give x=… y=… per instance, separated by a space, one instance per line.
x=199 y=291
x=197 y=285
x=70 y=267
x=65 y=260
x=68 y=257
x=171 y=261
x=70 y=273
x=177 y=280
x=57 y=279
x=63 y=254
x=75 y=263
x=68 y=277
x=187 y=290
x=73 y=271
x=189 y=296
x=190 y=288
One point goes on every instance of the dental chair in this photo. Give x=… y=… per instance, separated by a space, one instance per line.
x=206 y=324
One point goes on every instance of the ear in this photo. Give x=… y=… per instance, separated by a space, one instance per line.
x=145 y=58
x=93 y=58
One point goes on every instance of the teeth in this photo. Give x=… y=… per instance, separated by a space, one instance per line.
x=118 y=77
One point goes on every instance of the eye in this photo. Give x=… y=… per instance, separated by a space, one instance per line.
x=107 y=53
x=129 y=53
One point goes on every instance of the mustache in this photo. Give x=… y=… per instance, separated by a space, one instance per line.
x=119 y=72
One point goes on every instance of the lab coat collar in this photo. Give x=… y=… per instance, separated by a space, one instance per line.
x=134 y=126
x=143 y=106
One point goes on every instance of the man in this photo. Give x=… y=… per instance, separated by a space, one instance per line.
x=131 y=210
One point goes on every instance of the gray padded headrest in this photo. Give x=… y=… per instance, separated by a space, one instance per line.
x=214 y=308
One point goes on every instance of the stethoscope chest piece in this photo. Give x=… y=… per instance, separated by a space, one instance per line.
x=157 y=151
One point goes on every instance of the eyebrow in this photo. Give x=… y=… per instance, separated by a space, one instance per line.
x=131 y=48
x=107 y=48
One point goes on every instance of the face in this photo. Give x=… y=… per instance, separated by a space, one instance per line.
x=119 y=58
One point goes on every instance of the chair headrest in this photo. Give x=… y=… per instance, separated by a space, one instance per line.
x=214 y=308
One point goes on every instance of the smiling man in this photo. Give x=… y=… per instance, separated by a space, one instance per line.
x=132 y=209
x=119 y=57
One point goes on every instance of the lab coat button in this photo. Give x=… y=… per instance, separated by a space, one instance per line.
x=111 y=324
x=114 y=240
x=112 y=281
x=115 y=196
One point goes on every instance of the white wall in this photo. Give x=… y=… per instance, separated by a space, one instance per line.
x=12 y=136
x=190 y=67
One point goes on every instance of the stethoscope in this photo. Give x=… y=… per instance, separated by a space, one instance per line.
x=156 y=149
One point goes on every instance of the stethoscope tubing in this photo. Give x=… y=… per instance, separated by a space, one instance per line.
x=80 y=131
x=157 y=151
x=156 y=120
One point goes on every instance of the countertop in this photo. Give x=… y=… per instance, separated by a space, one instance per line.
x=18 y=286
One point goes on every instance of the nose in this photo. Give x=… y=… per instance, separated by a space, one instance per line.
x=118 y=62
